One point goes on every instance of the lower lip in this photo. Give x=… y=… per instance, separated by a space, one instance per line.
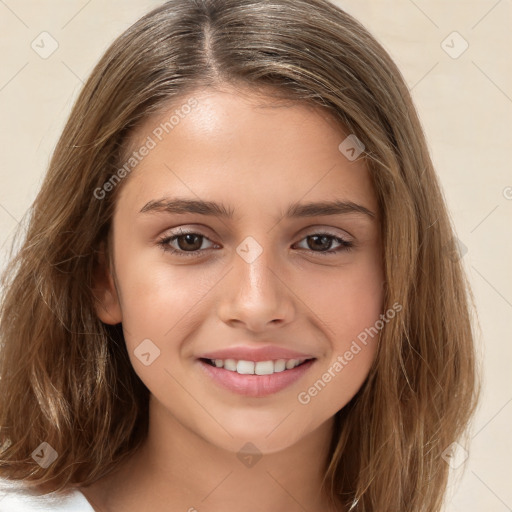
x=256 y=385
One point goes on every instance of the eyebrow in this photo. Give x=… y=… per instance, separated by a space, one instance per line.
x=295 y=210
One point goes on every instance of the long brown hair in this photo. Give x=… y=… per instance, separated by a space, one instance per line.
x=66 y=378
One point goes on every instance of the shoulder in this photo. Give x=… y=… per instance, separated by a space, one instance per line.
x=14 y=497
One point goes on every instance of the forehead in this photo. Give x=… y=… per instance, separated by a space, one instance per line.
x=243 y=148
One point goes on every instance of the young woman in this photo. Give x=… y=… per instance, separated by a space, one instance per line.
x=238 y=286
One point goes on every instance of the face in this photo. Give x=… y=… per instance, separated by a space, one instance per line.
x=257 y=278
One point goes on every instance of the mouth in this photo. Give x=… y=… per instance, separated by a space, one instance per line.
x=255 y=378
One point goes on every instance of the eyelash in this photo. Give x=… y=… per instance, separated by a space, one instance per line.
x=164 y=242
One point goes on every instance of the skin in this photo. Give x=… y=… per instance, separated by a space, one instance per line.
x=256 y=157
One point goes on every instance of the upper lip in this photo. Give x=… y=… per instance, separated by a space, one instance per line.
x=245 y=353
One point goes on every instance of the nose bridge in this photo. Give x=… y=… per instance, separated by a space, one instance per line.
x=256 y=295
x=255 y=267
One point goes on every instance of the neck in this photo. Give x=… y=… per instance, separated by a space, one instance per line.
x=176 y=466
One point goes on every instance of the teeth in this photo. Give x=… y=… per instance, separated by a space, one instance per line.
x=279 y=365
x=291 y=363
x=245 y=367
x=230 y=364
x=264 y=368
x=256 y=368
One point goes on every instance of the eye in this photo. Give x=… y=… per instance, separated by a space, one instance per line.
x=325 y=240
x=189 y=244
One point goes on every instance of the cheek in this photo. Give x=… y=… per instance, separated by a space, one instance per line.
x=156 y=302
x=155 y=295
x=349 y=304
x=158 y=306
x=348 y=299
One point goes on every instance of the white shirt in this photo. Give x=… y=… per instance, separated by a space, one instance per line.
x=14 y=497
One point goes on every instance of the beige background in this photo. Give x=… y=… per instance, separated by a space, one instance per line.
x=465 y=104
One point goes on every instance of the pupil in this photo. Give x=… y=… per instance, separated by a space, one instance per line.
x=189 y=239
x=324 y=240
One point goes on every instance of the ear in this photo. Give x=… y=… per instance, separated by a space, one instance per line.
x=107 y=305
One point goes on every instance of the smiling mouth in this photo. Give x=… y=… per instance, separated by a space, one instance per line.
x=256 y=379
x=245 y=367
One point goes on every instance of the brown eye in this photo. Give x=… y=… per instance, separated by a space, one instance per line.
x=189 y=242
x=321 y=243
x=183 y=244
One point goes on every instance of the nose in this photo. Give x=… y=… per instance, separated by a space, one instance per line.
x=255 y=296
